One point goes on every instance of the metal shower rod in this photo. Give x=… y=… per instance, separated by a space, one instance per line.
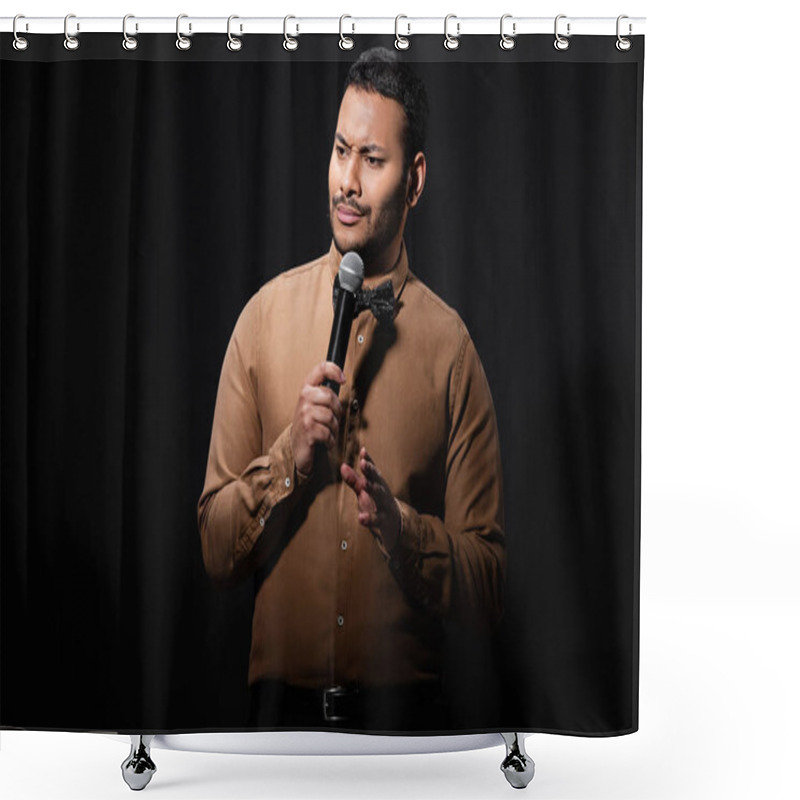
x=298 y=25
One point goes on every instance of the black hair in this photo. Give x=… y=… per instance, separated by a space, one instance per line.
x=380 y=70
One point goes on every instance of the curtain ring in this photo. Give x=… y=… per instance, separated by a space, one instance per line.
x=507 y=42
x=561 y=43
x=623 y=44
x=20 y=42
x=129 y=42
x=233 y=43
x=182 y=42
x=288 y=42
x=70 y=42
x=401 y=42
x=345 y=42
x=451 y=42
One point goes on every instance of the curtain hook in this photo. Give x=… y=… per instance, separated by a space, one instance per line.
x=288 y=42
x=182 y=42
x=20 y=42
x=70 y=42
x=129 y=42
x=401 y=42
x=233 y=43
x=451 y=42
x=345 y=42
x=508 y=42
x=561 y=43
x=623 y=44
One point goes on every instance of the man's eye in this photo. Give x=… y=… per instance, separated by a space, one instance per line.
x=339 y=149
x=373 y=162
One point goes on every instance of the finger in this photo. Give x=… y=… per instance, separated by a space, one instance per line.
x=326 y=432
x=366 y=520
x=323 y=396
x=323 y=370
x=323 y=434
x=333 y=372
x=349 y=477
x=368 y=466
x=370 y=507
x=371 y=472
x=348 y=474
x=324 y=416
x=355 y=481
x=367 y=504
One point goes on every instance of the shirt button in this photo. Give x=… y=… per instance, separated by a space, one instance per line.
x=361 y=338
x=340 y=620
x=344 y=544
x=354 y=404
x=261 y=522
x=288 y=482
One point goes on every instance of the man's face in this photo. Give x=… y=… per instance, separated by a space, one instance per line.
x=366 y=184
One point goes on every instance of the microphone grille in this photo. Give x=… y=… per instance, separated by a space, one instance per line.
x=351 y=272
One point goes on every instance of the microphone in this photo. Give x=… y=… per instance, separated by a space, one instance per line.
x=351 y=276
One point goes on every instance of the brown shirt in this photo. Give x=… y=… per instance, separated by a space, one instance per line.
x=332 y=606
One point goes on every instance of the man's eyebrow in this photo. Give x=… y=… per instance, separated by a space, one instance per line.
x=367 y=148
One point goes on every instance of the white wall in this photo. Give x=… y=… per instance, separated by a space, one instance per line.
x=720 y=450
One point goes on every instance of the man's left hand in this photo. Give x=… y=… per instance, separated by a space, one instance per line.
x=377 y=507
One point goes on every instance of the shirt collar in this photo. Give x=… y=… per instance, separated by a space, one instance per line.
x=398 y=274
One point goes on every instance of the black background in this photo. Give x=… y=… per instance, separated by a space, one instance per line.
x=145 y=197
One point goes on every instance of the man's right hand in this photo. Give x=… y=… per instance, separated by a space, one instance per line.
x=316 y=416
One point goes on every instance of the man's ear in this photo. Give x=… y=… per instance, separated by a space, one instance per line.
x=416 y=179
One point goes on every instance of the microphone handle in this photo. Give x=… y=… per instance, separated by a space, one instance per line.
x=340 y=333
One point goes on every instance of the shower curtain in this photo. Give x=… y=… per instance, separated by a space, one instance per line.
x=147 y=196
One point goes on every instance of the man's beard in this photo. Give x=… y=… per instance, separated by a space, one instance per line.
x=387 y=223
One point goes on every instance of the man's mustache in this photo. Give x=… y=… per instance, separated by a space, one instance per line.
x=340 y=201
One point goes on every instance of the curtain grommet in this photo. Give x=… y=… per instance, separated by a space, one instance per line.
x=451 y=42
x=70 y=42
x=401 y=42
x=129 y=42
x=346 y=42
x=507 y=42
x=289 y=43
x=623 y=44
x=20 y=42
x=234 y=44
x=182 y=42
x=561 y=42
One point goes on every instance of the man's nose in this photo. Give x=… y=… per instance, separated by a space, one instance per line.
x=350 y=177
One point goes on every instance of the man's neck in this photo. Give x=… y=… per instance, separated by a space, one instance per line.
x=388 y=261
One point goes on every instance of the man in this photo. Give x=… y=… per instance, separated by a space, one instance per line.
x=370 y=517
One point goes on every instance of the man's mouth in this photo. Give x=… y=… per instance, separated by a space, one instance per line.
x=347 y=215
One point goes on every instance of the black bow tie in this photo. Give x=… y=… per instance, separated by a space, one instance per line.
x=379 y=300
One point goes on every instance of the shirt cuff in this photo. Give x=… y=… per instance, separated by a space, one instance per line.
x=278 y=474
x=405 y=556
x=300 y=478
x=285 y=475
x=405 y=552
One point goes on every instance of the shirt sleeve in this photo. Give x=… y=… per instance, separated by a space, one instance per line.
x=456 y=566
x=248 y=494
